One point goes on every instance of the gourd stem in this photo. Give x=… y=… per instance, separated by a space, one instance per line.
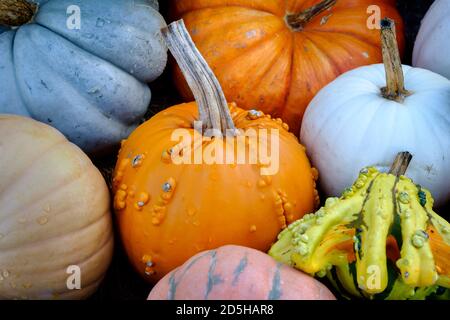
x=395 y=81
x=297 y=21
x=401 y=163
x=15 y=13
x=212 y=105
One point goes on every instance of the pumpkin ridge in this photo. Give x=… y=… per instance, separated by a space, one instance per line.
x=65 y=234
x=291 y=80
x=95 y=56
x=330 y=117
x=29 y=166
x=92 y=106
x=268 y=68
x=13 y=62
x=327 y=55
x=99 y=250
x=267 y=38
x=426 y=119
x=109 y=240
x=132 y=28
x=54 y=190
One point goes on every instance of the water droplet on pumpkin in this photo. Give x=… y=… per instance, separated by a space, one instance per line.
x=196 y=223
x=42 y=220
x=252 y=228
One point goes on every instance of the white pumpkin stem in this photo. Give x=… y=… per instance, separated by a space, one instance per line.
x=395 y=81
x=297 y=21
x=15 y=13
x=212 y=105
x=401 y=163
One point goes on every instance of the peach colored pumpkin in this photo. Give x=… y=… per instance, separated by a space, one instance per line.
x=237 y=273
x=54 y=213
x=264 y=59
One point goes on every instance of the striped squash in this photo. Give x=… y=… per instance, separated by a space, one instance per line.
x=237 y=273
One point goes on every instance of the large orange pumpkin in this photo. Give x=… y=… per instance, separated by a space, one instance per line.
x=168 y=212
x=237 y=273
x=276 y=55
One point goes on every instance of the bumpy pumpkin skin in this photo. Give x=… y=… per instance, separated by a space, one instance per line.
x=208 y=205
x=431 y=47
x=87 y=83
x=237 y=273
x=260 y=61
x=54 y=213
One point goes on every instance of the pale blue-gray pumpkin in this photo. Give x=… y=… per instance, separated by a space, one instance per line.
x=90 y=83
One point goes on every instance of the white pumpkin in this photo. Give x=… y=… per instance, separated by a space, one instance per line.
x=432 y=47
x=54 y=215
x=350 y=125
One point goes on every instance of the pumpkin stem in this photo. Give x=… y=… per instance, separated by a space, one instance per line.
x=401 y=163
x=395 y=88
x=297 y=21
x=15 y=13
x=212 y=105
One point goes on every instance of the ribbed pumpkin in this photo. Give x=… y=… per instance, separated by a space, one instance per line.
x=276 y=55
x=237 y=273
x=54 y=213
x=168 y=212
x=87 y=80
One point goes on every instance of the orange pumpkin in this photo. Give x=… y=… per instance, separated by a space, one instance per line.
x=276 y=55
x=237 y=273
x=167 y=211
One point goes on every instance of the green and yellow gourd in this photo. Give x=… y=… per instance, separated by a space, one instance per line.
x=380 y=240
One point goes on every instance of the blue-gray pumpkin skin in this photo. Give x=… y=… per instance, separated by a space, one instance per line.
x=89 y=83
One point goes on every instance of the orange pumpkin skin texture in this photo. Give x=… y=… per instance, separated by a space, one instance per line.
x=208 y=205
x=54 y=213
x=261 y=62
x=237 y=273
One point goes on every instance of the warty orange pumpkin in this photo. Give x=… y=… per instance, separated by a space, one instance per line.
x=169 y=211
x=276 y=55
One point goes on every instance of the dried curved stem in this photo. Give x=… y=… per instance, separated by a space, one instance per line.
x=212 y=105
x=395 y=81
x=297 y=21
x=15 y=13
